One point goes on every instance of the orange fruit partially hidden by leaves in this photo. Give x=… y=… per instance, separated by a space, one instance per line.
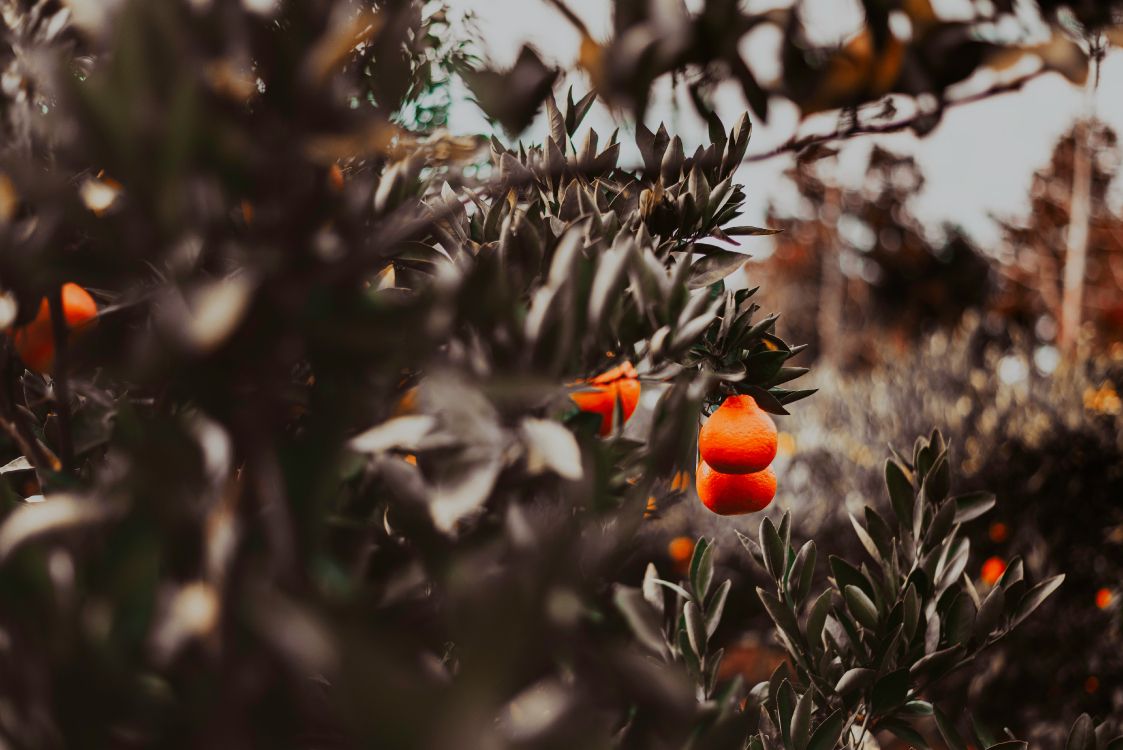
x=35 y=342
x=1103 y=598
x=618 y=383
x=739 y=438
x=734 y=494
x=992 y=570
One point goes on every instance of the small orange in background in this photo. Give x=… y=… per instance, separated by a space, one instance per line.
x=734 y=494
x=1092 y=684
x=739 y=438
x=335 y=177
x=35 y=342
x=680 y=550
x=998 y=532
x=992 y=570
x=620 y=383
x=1104 y=597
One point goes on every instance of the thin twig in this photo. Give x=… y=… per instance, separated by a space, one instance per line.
x=895 y=126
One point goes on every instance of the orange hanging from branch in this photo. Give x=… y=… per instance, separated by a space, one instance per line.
x=35 y=342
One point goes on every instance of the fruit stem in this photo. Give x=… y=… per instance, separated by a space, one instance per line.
x=61 y=381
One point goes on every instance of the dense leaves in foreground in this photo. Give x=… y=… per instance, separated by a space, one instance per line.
x=314 y=478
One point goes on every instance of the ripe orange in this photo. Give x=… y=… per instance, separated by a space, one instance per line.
x=734 y=494
x=618 y=383
x=681 y=549
x=1104 y=598
x=739 y=438
x=35 y=342
x=992 y=570
x=998 y=532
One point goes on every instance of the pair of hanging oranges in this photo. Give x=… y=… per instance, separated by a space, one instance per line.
x=736 y=444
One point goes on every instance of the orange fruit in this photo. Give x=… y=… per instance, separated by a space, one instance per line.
x=618 y=383
x=992 y=570
x=739 y=438
x=998 y=532
x=1103 y=598
x=734 y=494
x=35 y=342
x=680 y=550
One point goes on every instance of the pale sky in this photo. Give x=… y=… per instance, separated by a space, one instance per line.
x=977 y=163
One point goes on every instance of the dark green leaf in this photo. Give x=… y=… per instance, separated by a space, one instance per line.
x=990 y=613
x=972 y=505
x=800 y=730
x=1035 y=597
x=1082 y=736
x=854 y=680
x=861 y=606
x=901 y=492
x=773 y=547
x=702 y=568
x=890 y=691
x=828 y=733
x=948 y=731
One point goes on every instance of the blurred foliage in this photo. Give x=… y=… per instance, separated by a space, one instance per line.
x=314 y=479
x=1030 y=269
x=874 y=271
x=903 y=47
x=1050 y=446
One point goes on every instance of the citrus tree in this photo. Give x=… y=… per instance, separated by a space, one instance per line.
x=324 y=431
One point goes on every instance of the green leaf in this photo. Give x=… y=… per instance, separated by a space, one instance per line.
x=828 y=733
x=938 y=480
x=716 y=606
x=641 y=618
x=937 y=663
x=695 y=628
x=702 y=568
x=972 y=505
x=990 y=612
x=906 y=733
x=959 y=622
x=747 y=231
x=901 y=492
x=880 y=532
x=911 y=612
x=948 y=731
x=802 y=574
x=854 y=680
x=785 y=709
x=1082 y=736
x=890 y=691
x=818 y=617
x=1035 y=597
x=865 y=538
x=714 y=267
x=941 y=524
x=800 y=731
x=918 y=708
x=779 y=612
x=846 y=574
x=773 y=546
x=861 y=606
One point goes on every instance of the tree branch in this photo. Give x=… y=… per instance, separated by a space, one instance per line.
x=795 y=145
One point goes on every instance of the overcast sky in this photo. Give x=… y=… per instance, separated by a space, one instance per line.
x=977 y=163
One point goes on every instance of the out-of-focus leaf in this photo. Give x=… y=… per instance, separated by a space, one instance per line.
x=551 y=446
x=54 y=514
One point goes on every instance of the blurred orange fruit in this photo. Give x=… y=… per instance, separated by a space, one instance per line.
x=1104 y=598
x=618 y=383
x=992 y=570
x=35 y=342
x=680 y=550
x=739 y=438
x=734 y=494
x=998 y=532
